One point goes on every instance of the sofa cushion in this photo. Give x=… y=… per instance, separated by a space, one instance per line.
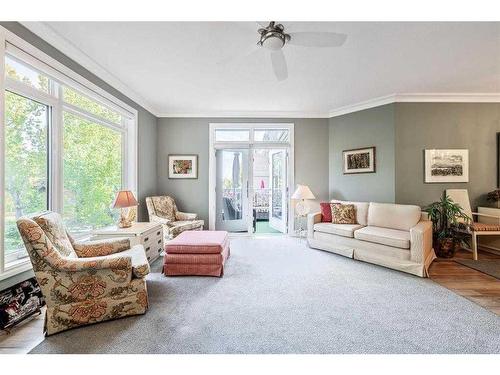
x=345 y=230
x=198 y=242
x=343 y=213
x=326 y=212
x=393 y=216
x=164 y=207
x=176 y=227
x=384 y=236
x=53 y=227
x=361 y=210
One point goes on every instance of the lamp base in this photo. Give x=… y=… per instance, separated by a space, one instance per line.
x=302 y=208
x=124 y=222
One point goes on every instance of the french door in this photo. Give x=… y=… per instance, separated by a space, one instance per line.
x=232 y=191
x=278 y=197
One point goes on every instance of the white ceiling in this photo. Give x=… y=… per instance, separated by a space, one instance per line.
x=173 y=68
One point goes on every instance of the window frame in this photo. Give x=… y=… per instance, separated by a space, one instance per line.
x=59 y=75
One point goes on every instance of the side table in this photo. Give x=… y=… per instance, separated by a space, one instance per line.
x=150 y=235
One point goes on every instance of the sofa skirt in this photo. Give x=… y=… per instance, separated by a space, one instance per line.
x=382 y=255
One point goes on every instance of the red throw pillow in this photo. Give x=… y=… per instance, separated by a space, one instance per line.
x=326 y=212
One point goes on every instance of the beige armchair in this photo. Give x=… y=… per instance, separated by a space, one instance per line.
x=83 y=283
x=162 y=209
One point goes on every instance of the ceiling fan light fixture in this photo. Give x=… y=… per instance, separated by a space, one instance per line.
x=273 y=37
x=273 y=42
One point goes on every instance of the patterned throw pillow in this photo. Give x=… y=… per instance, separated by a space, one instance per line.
x=326 y=212
x=343 y=213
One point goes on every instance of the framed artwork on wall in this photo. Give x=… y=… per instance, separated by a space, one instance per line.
x=451 y=165
x=359 y=160
x=182 y=166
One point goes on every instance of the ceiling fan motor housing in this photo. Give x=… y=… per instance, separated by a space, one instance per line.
x=273 y=36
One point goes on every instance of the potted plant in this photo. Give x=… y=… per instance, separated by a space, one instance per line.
x=448 y=226
x=494 y=196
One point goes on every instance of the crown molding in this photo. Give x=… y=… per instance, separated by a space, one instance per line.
x=246 y=114
x=372 y=103
x=449 y=98
x=65 y=46
x=417 y=98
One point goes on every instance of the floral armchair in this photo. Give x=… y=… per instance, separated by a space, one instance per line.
x=83 y=283
x=163 y=210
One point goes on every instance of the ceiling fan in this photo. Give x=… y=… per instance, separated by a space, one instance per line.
x=274 y=38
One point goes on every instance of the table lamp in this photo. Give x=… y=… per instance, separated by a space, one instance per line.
x=303 y=193
x=124 y=199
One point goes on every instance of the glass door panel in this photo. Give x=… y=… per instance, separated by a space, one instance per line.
x=232 y=190
x=278 y=198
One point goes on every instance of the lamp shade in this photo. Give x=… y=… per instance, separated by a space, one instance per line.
x=303 y=192
x=124 y=198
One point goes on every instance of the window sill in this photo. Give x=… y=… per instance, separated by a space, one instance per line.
x=15 y=268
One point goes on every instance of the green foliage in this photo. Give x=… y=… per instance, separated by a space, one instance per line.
x=25 y=162
x=79 y=100
x=447 y=218
x=92 y=173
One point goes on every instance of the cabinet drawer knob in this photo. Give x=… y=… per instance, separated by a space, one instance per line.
x=148 y=248
x=159 y=241
x=146 y=239
x=158 y=233
x=159 y=250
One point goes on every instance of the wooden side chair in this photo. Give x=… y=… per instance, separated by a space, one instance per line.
x=475 y=228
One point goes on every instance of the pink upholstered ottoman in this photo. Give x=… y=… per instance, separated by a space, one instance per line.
x=201 y=253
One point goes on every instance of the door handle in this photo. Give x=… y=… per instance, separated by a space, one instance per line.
x=222 y=215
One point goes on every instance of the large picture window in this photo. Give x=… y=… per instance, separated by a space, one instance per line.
x=65 y=148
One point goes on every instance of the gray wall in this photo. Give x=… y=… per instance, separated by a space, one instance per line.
x=370 y=127
x=421 y=126
x=147 y=127
x=190 y=135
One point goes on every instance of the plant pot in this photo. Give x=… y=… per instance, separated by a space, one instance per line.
x=446 y=247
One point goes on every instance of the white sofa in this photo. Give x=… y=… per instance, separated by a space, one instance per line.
x=391 y=235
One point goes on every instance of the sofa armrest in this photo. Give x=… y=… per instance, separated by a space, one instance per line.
x=312 y=219
x=185 y=216
x=109 y=262
x=157 y=219
x=101 y=248
x=421 y=241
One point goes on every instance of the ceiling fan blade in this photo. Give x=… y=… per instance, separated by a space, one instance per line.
x=317 y=39
x=244 y=53
x=279 y=65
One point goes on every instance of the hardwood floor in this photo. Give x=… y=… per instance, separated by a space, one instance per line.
x=471 y=284
x=467 y=282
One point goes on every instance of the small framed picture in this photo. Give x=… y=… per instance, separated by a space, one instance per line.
x=182 y=166
x=446 y=166
x=360 y=160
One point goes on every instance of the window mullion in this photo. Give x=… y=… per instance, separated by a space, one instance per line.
x=2 y=152
x=56 y=165
x=90 y=116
